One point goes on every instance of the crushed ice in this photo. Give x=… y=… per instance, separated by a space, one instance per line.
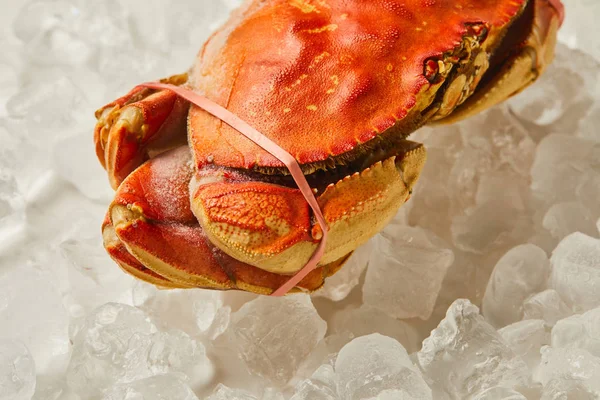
x=506 y=215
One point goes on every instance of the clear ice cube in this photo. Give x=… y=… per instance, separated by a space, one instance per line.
x=159 y=387
x=325 y=353
x=48 y=107
x=118 y=344
x=223 y=392
x=565 y=218
x=500 y=393
x=321 y=386
x=406 y=271
x=76 y=162
x=521 y=272
x=557 y=169
x=569 y=371
x=546 y=305
x=92 y=277
x=563 y=94
x=371 y=364
x=366 y=320
x=274 y=335
x=31 y=310
x=192 y=311
x=525 y=338
x=337 y=287
x=580 y=331
x=464 y=356
x=17 y=371
x=580 y=16
x=576 y=271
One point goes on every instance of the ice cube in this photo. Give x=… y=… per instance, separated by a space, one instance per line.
x=31 y=310
x=464 y=356
x=589 y=125
x=565 y=218
x=100 y=347
x=490 y=225
x=17 y=371
x=559 y=161
x=337 y=287
x=192 y=311
x=321 y=386
x=164 y=352
x=325 y=352
x=12 y=207
x=36 y=17
x=93 y=278
x=118 y=344
x=580 y=15
x=430 y=202
x=579 y=331
x=12 y=201
x=405 y=273
x=525 y=338
x=366 y=320
x=588 y=192
x=504 y=187
x=506 y=142
x=567 y=389
x=573 y=370
x=500 y=393
x=395 y=394
x=76 y=162
x=274 y=335
x=576 y=271
x=372 y=364
x=48 y=106
x=521 y=272
x=223 y=392
x=563 y=93
x=159 y=387
x=53 y=388
x=546 y=305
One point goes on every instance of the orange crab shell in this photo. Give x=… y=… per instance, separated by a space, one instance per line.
x=160 y=226
x=322 y=77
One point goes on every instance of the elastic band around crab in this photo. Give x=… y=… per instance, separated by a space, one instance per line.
x=268 y=145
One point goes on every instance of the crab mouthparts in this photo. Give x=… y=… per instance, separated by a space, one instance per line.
x=371 y=154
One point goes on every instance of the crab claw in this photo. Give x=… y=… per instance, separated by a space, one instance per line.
x=128 y=263
x=152 y=233
x=139 y=126
x=269 y=225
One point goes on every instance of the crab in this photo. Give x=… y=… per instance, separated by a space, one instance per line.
x=339 y=85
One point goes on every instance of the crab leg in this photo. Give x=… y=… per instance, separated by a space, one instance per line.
x=269 y=225
x=128 y=263
x=139 y=126
x=152 y=220
x=519 y=61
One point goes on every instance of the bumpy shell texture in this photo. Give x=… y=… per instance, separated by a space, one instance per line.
x=321 y=77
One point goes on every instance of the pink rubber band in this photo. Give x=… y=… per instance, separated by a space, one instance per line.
x=560 y=9
x=268 y=145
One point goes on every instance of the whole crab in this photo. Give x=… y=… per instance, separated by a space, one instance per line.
x=338 y=84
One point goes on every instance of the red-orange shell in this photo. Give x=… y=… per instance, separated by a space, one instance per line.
x=320 y=77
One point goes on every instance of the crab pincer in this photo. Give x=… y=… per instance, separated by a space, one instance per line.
x=151 y=220
x=138 y=126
